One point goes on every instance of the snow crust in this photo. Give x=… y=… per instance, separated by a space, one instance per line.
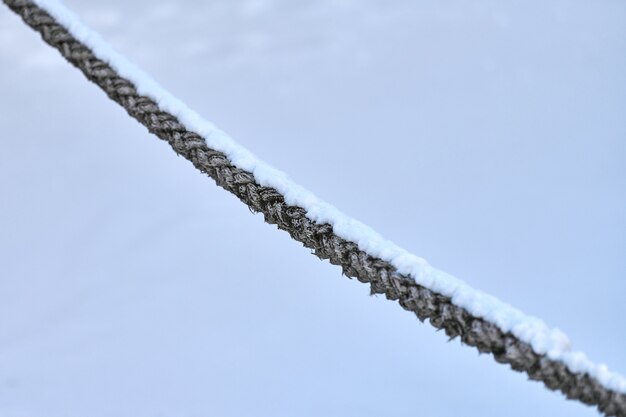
x=543 y=339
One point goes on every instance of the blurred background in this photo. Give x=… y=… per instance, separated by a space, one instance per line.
x=487 y=136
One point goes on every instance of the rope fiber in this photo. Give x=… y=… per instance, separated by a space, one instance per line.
x=383 y=278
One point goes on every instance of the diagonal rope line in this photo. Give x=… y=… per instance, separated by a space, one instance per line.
x=566 y=371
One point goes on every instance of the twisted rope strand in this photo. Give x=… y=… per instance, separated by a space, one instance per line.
x=320 y=238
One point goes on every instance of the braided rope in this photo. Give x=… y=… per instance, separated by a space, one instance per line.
x=382 y=276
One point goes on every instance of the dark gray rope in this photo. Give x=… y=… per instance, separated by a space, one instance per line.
x=382 y=276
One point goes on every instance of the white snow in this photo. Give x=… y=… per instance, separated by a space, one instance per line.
x=543 y=339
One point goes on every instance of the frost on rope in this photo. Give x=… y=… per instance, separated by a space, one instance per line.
x=543 y=339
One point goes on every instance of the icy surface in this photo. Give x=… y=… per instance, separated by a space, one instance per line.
x=543 y=339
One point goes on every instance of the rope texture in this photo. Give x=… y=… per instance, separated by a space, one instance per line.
x=382 y=277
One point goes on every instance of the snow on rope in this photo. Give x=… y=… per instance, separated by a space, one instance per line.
x=524 y=342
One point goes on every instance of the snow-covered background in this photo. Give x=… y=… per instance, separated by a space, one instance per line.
x=488 y=137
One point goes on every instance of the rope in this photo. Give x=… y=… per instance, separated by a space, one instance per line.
x=320 y=238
